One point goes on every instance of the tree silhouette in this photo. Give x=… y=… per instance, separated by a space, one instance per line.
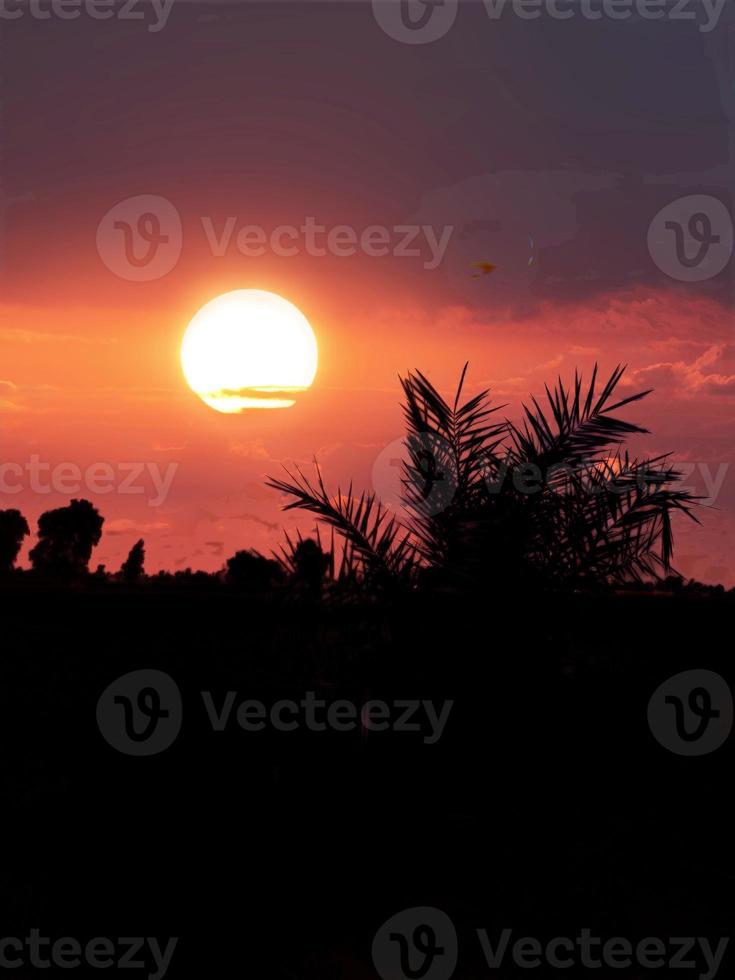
x=553 y=502
x=132 y=568
x=13 y=528
x=308 y=565
x=66 y=538
x=252 y=571
x=318 y=571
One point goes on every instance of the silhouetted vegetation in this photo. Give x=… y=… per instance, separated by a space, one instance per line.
x=552 y=503
x=133 y=567
x=252 y=571
x=13 y=528
x=549 y=708
x=66 y=538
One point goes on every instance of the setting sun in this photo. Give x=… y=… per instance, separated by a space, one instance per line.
x=249 y=349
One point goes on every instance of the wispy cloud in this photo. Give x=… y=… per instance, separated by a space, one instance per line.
x=23 y=336
x=684 y=379
x=124 y=525
x=255 y=519
x=250 y=449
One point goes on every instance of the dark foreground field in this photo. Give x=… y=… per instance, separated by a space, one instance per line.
x=546 y=806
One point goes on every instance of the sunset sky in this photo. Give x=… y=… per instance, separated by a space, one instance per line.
x=545 y=146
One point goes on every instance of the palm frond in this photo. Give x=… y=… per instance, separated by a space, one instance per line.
x=580 y=426
x=373 y=535
x=592 y=516
x=612 y=519
x=451 y=448
x=461 y=436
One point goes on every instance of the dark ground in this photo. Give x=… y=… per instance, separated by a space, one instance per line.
x=547 y=806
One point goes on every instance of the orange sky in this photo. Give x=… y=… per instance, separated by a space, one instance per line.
x=104 y=386
x=280 y=113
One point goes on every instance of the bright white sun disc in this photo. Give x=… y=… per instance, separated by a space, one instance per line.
x=249 y=349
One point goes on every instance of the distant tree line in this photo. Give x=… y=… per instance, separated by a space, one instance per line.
x=67 y=537
x=306 y=567
x=599 y=518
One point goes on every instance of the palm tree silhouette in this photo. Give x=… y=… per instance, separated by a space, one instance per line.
x=552 y=502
